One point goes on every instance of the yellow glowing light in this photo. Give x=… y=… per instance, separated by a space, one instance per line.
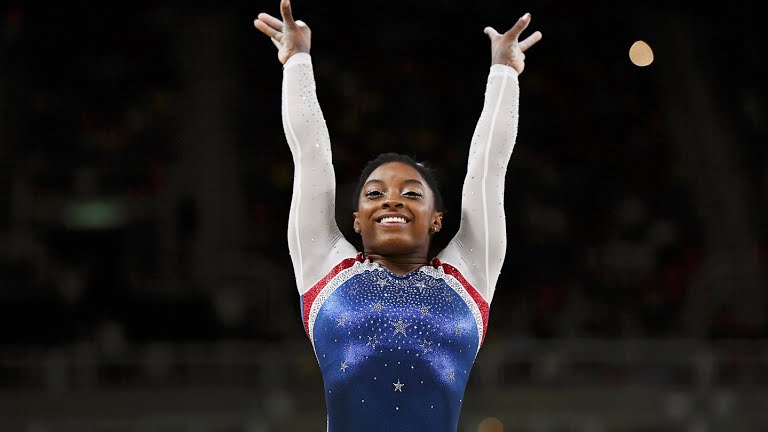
x=491 y=424
x=641 y=54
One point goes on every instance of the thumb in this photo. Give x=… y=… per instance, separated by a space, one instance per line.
x=491 y=32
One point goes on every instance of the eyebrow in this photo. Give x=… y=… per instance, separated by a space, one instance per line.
x=405 y=181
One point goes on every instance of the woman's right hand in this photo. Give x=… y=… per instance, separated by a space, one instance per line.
x=289 y=36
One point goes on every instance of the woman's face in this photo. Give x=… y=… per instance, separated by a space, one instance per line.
x=396 y=211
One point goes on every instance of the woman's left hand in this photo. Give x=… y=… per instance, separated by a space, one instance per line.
x=507 y=49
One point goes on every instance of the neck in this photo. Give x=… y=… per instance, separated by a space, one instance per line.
x=399 y=265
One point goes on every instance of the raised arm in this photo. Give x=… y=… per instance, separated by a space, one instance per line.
x=314 y=240
x=479 y=247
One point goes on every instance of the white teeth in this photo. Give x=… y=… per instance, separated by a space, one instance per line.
x=393 y=220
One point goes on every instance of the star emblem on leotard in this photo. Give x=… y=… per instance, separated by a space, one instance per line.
x=377 y=307
x=398 y=385
x=341 y=320
x=373 y=340
x=381 y=282
x=344 y=366
x=421 y=286
x=400 y=327
x=448 y=297
x=424 y=309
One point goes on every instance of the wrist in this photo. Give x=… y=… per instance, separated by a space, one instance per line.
x=298 y=58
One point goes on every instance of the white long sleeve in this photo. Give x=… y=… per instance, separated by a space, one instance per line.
x=314 y=240
x=479 y=247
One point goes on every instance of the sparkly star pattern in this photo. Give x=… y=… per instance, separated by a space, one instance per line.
x=447 y=296
x=400 y=326
x=378 y=307
x=398 y=386
x=421 y=286
x=424 y=309
x=373 y=340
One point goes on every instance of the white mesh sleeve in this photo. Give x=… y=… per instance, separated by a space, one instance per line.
x=479 y=247
x=314 y=240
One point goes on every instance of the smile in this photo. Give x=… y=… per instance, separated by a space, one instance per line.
x=393 y=220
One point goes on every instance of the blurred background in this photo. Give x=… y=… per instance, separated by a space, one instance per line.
x=145 y=281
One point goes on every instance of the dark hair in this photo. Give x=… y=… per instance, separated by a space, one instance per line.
x=425 y=170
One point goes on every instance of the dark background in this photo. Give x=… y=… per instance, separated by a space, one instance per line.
x=146 y=180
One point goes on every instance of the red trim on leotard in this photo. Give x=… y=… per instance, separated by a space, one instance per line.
x=479 y=300
x=309 y=297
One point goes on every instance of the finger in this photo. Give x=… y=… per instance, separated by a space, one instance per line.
x=491 y=32
x=285 y=10
x=271 y=21
x=266 y=29
x=277 y=44
x=519 y=26
x=530 y=40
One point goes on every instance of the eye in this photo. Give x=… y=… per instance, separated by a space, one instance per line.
x=373 y=194
x=413 y=194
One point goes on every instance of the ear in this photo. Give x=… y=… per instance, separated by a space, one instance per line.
x=437 y=222
x=356 y=222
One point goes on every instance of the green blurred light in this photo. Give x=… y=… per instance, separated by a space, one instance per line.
x=93 y=215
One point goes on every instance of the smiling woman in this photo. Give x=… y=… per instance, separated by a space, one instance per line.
x=395 y=332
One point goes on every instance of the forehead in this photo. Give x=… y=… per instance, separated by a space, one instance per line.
x=393 y=171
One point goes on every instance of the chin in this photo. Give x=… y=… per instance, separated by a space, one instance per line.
x=393 y=244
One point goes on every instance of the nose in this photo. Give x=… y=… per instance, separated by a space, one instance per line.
x=392 y=202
